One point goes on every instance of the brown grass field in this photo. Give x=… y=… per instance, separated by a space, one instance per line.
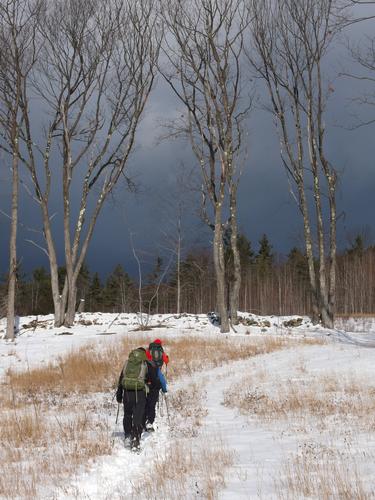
x=57 y=419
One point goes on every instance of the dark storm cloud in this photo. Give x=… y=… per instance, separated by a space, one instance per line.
x=265 y=204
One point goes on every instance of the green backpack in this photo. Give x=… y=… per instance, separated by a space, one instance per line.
x=135 y=370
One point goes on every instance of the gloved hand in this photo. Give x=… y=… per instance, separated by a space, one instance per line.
x=119 y=395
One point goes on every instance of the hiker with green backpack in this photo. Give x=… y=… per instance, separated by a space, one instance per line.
x=137 y=377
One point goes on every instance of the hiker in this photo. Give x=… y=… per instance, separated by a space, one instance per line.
x=137 y=377
x=157 y=357
x=155 y=352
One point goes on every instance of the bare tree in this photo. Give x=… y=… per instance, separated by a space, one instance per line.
x=290 y=40
x=94 y=74
x=143 y=316
x=173 y=211
x=17 y=57
x=203 y=47
x=173 y=240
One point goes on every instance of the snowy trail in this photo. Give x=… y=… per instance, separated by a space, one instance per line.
x=260 y=449
x=258 y=452
x=364 y=340
x=256 y=455
x=114 y=476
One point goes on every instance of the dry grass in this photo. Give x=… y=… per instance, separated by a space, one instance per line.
x=85 y=370
x=195 y=354
x=47 y=431
x=88 y=369
x=330 y=408
x=187 y=410
x=324 y=396
x=184 y=469
x=36 y=446
x=324 y=474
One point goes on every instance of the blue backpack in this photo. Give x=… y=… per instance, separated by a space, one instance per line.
x=163 y=381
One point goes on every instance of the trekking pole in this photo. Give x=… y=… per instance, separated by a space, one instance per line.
x=114 y=432
x=167 y=407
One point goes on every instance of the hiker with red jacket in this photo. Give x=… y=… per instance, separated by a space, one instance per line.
x=157 y=357
x=137 y=378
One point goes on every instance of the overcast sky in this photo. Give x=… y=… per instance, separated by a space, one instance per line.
x=265 y=204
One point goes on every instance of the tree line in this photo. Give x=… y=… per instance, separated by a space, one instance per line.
x=271 y=284
x=75 y=78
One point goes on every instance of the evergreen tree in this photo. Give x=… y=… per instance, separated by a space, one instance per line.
x=22 y=293
x=246 y=253
x=83 y=282
x=41 y=294
x=95 y=294
x=117 y=290
x=61 y=271
x=264 y=258
x=298 y=262
x=357 y=248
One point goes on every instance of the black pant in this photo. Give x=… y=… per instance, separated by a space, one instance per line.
x=151 y=400
x=134 y=409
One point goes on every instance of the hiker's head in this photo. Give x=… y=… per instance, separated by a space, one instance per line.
x=157 y=341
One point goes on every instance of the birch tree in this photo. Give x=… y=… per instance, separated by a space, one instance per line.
x=18 y=20
x=290 y=39
x=203 y=46
x=95 y=71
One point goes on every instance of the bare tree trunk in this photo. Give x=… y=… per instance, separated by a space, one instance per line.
x=17 y=34
x=332 y=255
x=309 y=255
x=179 y=268
x=236 y=281
x=219 y=263
x=323 y=294
x=51 y=253
x=13 y=243
x=71 y=305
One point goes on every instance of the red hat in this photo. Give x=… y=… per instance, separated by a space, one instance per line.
x=157 y=341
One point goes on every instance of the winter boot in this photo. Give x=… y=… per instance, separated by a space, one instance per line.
x=135 y=444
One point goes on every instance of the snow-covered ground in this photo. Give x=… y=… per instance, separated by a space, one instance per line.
x=265 y=451
x=39 y=341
